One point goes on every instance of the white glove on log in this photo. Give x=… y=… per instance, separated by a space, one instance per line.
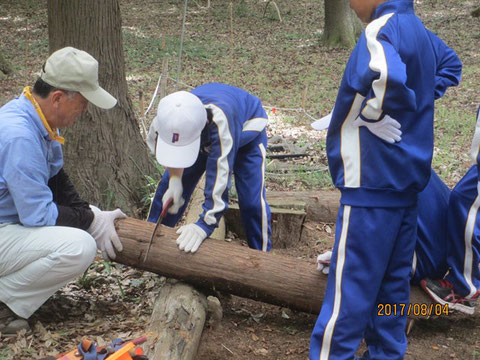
x=103 y=231
x=174 y=191
x=387 y=129
x=191 y=237
x=323 y=262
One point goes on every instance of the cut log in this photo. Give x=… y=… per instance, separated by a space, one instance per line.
x=290 y=210
x=319 y=206
x=177 y=322
x=286 y=225
x=180 y=311
x=238 y=270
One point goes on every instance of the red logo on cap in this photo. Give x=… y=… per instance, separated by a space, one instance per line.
x=175 y=137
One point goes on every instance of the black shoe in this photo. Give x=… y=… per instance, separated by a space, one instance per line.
x=466 y=305
x=442 y=292
x=11 y=323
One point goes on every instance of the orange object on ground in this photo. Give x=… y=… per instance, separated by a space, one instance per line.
x=123 y=353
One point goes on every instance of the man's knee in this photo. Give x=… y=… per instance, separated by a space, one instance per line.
x=79 y=248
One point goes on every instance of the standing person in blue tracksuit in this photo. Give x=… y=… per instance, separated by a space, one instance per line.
x=390 y=77
x=215 y=129
x=460 y=288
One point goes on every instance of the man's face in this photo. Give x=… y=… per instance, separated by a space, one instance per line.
x=365 y=8
x=68 y=108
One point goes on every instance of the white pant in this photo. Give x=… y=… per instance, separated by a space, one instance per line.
x=36 y=262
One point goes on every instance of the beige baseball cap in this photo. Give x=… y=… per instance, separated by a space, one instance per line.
x=76 y=70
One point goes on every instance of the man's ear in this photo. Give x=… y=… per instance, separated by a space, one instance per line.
x=56 y=97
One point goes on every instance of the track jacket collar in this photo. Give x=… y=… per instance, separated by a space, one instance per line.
x=393 y=6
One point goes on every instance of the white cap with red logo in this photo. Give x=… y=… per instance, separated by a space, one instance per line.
x=174 y=135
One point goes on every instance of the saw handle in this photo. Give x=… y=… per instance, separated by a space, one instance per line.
x=166 y=206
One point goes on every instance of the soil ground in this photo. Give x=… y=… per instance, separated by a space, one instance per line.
x=285 y=64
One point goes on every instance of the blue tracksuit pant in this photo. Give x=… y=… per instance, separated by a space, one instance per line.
x=249 y=170
x=430 y=259
x=370 y=266
x=464 y=235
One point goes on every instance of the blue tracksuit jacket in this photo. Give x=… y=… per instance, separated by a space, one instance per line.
x=234 y=142
x=397 y=68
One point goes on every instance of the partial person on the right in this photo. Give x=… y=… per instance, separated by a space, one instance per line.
x=460 y=286
x=390 y=80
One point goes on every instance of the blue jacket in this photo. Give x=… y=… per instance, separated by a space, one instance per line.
x=238 y=118
x=475 y=151
x=397 y=68
x=28 y=159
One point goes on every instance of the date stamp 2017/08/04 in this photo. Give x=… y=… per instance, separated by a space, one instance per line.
x=412 y=309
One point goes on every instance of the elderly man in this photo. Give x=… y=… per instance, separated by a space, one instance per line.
x=48 y=234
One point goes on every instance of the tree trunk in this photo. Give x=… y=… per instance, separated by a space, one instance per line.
x=106 y=156
x=342 y=26
x=238 y=270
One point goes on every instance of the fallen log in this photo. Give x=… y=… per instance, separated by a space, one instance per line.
x=238 y=270
x=179 y=313
x=177 y=322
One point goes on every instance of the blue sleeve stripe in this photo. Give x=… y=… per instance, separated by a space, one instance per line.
x=378 y=63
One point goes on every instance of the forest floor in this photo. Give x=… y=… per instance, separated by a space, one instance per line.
x=284 y=63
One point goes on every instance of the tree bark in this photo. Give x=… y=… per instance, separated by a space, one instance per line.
x=275 y=279
x=106 y=156
x=177 y=322
x=342 y=26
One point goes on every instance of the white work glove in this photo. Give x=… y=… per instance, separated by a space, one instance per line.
x=174 y=191
x=152 y=138
x=103 y=231
x=387 y=129
x=323 y=262
x=191 y=237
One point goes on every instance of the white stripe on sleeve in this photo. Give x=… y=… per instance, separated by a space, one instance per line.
x=378 y=63
x=350 y=145
x=256 y=124
x=223 y=169
x=476 y=140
